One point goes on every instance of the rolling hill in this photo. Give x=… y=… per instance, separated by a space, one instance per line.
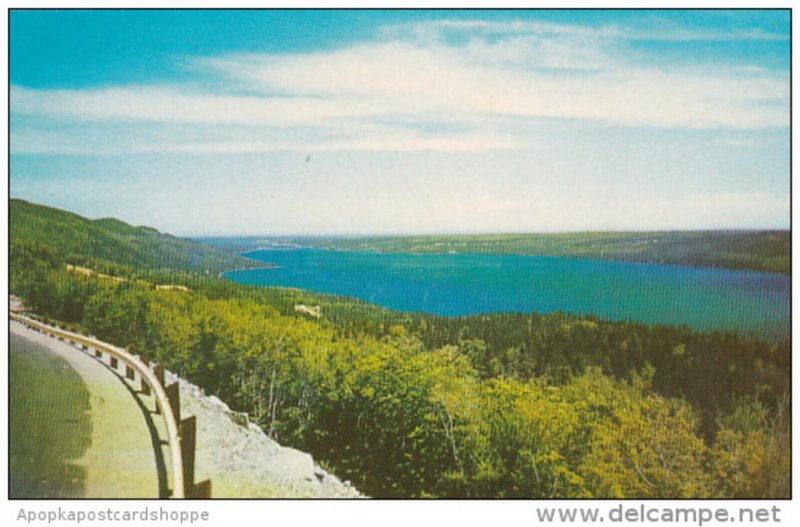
x=107 y=240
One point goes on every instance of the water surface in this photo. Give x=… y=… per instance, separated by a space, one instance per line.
x=464 y=284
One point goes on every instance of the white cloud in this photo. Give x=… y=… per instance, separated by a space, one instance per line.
x=407 y=93
x=507 y=79
x=175 y=105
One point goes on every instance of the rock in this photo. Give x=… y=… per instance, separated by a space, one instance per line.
x=216 y=401
x=244 y=462
x=240 y=418
x=299 y=464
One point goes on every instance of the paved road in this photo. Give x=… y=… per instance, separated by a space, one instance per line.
x=121 y=461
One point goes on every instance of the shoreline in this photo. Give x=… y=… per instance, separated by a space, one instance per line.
x=615 y=258
x=222 y=274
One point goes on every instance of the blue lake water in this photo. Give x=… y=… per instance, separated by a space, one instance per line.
x=463 y=284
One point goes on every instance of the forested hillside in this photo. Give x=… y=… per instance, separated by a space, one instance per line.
x=110 y=242
x=413 y=405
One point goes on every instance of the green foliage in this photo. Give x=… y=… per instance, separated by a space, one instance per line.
x=521 y=443
x=751 y=455
x=647 y=448
x=401 y=418
x=106 y=244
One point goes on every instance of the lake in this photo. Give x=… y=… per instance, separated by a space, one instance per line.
x=464 y=284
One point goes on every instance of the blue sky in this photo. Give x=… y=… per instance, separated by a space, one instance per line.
x=356 y=122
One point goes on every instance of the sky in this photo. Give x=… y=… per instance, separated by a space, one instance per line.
x=388 y=122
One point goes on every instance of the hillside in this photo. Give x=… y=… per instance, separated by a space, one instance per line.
x=81 y=240
x=767 y=250
x=411 y=405
x=243 y=462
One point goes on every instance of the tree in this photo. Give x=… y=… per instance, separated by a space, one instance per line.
x=751 y=455
x=647 y=449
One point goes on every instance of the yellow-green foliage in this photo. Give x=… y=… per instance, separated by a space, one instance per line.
x=401 y=418
x=751 y=455
x=647 y=448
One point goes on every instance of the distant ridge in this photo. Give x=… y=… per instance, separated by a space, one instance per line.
x=756 y=250
x=145 y=248
x=110 y=240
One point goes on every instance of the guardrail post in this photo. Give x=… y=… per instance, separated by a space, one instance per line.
x=188 y=431
x=174 y=396
x=144 y=388
x=158 y=370
x=201 y=490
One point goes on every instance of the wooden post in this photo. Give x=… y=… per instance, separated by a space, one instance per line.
x=201 y=491
x=158 y=370
x=143 y=386
x=174 y=396
x=188 y=431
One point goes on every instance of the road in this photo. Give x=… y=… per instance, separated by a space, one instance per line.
x=123 y=458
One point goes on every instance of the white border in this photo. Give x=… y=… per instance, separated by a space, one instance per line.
x=366 y=513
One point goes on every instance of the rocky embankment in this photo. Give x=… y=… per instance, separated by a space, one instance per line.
x=242 y=462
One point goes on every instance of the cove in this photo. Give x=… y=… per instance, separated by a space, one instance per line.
x=704 y=299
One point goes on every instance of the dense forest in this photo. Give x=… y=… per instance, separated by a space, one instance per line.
x=733 y=249
x=114 y=246
x=414 y=405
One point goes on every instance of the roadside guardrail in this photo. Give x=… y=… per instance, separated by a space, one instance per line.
x=181 y=433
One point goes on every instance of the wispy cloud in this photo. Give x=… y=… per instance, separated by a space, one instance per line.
x=665 y=31
x=415 y=89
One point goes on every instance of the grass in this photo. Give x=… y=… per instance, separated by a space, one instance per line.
x=49 y=424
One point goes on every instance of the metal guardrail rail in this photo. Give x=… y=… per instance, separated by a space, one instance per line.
x=182 y=486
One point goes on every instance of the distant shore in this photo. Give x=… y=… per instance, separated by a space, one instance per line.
x=266 y=265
